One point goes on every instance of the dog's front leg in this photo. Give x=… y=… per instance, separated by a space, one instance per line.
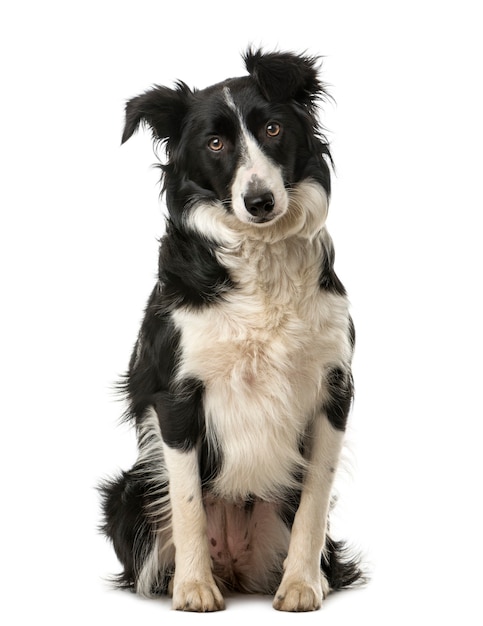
x=194 y=588
x=303 y=585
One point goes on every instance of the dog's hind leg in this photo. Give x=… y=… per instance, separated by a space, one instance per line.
x=126 y=524
x=137 y=516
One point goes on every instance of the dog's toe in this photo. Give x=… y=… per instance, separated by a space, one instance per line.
x=197 y=596
x=298 y=596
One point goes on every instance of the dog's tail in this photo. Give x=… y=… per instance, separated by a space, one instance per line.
x=341 y=567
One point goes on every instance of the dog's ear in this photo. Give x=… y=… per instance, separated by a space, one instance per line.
x=161 y=108
x=283 y=76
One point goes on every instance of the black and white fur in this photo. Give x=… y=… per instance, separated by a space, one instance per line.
x=240 y=381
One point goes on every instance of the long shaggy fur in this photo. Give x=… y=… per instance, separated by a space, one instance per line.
x=239 y=384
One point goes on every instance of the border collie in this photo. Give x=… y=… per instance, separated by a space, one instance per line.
x=240 y=380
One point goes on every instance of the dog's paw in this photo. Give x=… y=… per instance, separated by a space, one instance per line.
x=197 y=596
x=299 y=595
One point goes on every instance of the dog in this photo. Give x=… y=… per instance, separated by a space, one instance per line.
x=240 y=381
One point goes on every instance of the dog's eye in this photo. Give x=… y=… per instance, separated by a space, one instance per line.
x=215 y=144
x=273 y=129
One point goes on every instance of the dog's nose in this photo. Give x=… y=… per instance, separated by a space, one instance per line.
x=260 y=204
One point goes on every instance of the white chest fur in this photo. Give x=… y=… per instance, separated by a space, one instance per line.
x=261 y=354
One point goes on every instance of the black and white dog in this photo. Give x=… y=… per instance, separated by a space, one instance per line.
x=240 y=381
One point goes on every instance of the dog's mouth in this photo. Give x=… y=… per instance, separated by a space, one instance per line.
x=263 y=219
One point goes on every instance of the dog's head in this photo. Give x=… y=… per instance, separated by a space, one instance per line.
x=244 y=144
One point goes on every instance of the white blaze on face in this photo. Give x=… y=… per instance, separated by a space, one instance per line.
x=256 y=174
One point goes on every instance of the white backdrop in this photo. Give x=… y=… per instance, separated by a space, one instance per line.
x=80 y=217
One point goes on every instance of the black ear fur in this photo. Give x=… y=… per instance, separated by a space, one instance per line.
x=283 y=76
x=162 y=108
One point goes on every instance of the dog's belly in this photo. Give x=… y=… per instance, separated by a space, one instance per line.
x=263 y=372
x=247 y=541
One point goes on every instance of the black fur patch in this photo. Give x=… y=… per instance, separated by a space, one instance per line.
x=154 y=358
x=123 y=501
x=340 y=567
x=189 y=271
x=341 y=390
x=180 y=414
x=329 y=281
